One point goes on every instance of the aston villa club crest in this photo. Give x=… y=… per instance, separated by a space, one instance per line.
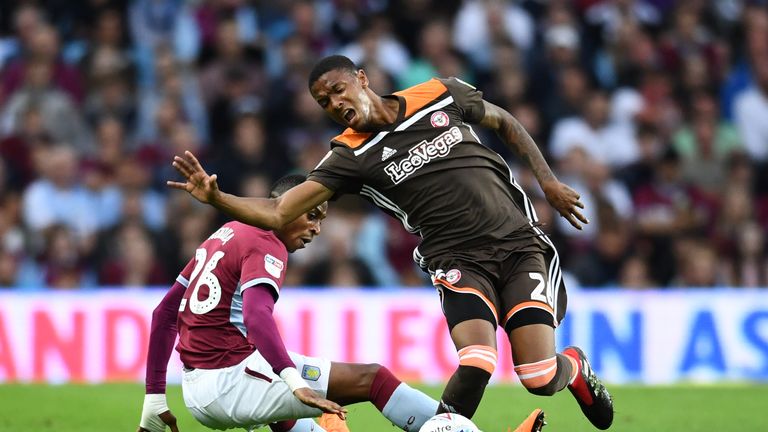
x=439 y=119
x=311 y=373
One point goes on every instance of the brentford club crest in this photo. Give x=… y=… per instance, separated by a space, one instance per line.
x=453 y=276
x=439 y=119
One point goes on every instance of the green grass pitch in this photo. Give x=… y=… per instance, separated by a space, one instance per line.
x=117 y=407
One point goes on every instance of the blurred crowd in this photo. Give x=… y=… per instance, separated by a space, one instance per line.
x=655 y=111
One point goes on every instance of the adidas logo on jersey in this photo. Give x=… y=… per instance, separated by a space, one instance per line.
x=387 y=153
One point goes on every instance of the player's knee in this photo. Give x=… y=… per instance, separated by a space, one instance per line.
x=361 y=378
x=368 y=373
x=480 y=357
x=539 y=378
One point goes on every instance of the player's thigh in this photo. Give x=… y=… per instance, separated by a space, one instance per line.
x=316 y=372
x=237 y=396
x=202 y=390
x=528 y=293
x=261 y=397
x=466 y=294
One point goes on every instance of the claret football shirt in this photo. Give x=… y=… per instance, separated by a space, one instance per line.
x=234 y=258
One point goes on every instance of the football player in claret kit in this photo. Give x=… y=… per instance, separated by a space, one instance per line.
x=415 y=155
x=237 y=372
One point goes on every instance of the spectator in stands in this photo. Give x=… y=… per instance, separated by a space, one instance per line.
x=134 y=261
x=17 y=147
x=481 y=23
x=634 y=274
x=111 y=95
x=60 y=116
x=230 y=54
x=668 y=207
x=41 y=50
x=136 y=199
x=748 y=266
x=107 y=52
x=248 y=153
x=699 y=266
x=751 y=109
x=434 y=44
x=59 y=198
x=603 y=140
x=27 y=20
x=156 y=23
x=62 y=265
x=378 y=46
x=705 y=143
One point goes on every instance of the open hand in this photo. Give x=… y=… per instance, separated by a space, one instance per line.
x=199 y=184
x=566 y=201
x=309 y=397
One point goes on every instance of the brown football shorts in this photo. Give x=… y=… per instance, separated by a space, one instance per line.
x=511 y=283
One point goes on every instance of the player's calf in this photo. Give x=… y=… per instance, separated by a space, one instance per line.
x=405 y=407
x=465 y=389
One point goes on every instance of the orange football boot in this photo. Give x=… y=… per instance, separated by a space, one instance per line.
x=332 y=423
x=534 y=423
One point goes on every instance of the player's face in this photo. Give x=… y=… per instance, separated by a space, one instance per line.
x=299 y=233
x=343 y=97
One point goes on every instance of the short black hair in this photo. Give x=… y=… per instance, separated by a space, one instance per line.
x=330 y=63
x=282 y=185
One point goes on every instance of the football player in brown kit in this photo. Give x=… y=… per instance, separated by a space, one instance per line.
x=415 y=155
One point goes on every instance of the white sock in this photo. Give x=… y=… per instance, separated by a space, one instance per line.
x=409 y=408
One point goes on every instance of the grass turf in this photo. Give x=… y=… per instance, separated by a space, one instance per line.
x=117 y=407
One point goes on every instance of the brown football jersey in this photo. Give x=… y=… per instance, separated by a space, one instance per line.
x=430 y=170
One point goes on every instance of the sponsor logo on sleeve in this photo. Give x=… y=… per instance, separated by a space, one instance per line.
x=273 y=265
x=311 y=373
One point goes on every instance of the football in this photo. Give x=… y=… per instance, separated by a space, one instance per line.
x=448 y=422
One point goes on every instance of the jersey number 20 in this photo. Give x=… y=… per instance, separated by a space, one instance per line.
x=543 y=291
x=207 y=278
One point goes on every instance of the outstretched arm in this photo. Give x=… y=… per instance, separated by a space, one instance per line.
x=265 y=213
x=560 y=196
x=155 y=413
